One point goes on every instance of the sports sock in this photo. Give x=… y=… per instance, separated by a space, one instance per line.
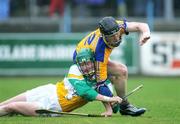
x=124 y=104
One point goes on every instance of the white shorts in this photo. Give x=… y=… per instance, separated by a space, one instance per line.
x=45 y=96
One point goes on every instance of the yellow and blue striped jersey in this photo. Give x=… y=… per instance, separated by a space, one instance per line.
x=102 y=52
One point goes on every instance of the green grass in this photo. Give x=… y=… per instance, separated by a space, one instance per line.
x=160 y=95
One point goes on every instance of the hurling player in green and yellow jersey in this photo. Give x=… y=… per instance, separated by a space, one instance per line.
x=77 y=89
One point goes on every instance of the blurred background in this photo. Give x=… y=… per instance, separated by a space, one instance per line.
x=38 y=37
x=70 y=15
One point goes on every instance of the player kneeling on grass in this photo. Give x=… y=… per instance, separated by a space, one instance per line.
x=77 y=88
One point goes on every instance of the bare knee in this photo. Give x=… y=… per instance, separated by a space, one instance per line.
x=120 y=70
x=123 y=70
x=117 y=72
x=11 y=107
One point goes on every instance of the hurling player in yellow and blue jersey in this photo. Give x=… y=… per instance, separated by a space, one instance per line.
x=102 y=41
x=77 y=89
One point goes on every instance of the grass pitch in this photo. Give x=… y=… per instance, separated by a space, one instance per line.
x=160 y=95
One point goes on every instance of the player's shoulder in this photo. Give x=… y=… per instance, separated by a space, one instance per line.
x=95 y=32
x=91 y=36
x=74 y=72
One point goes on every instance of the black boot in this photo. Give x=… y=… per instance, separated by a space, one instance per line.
x=127 y=109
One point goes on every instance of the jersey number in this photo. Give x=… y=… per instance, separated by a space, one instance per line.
x=90 y=39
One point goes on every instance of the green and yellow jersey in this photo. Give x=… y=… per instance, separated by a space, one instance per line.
x=102 y=52
x=74 y=91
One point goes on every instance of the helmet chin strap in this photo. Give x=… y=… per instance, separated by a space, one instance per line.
x=107 y=42
x=91 y=77
x=116 y=44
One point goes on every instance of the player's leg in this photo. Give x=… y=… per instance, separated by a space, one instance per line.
x=60 y=7
x=107 y=90
x=25 y=108
x=52 y=7
x=17 y=104
x=118 y=76
x=20 y=97
x=108 y=108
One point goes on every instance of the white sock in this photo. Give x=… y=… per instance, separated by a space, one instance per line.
x=2 y=111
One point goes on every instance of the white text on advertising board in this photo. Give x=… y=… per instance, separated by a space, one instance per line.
x=36 y=52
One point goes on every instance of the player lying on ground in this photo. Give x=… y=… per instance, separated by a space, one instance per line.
x=74 y=91
x=102 y=41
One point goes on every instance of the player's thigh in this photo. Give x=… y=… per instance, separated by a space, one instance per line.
x=18 y=98
x=116 y=68
x=25 y=108
x=46 y=96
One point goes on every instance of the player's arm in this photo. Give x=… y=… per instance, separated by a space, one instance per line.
x=142 y=28
x=108 y=108
x=108 y=99
x=107 y=103
x=88 y=93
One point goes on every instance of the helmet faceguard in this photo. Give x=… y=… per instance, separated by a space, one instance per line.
x=111 y=43
x=86 y=63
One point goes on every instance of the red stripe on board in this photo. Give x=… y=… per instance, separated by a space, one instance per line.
x=176 y=64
